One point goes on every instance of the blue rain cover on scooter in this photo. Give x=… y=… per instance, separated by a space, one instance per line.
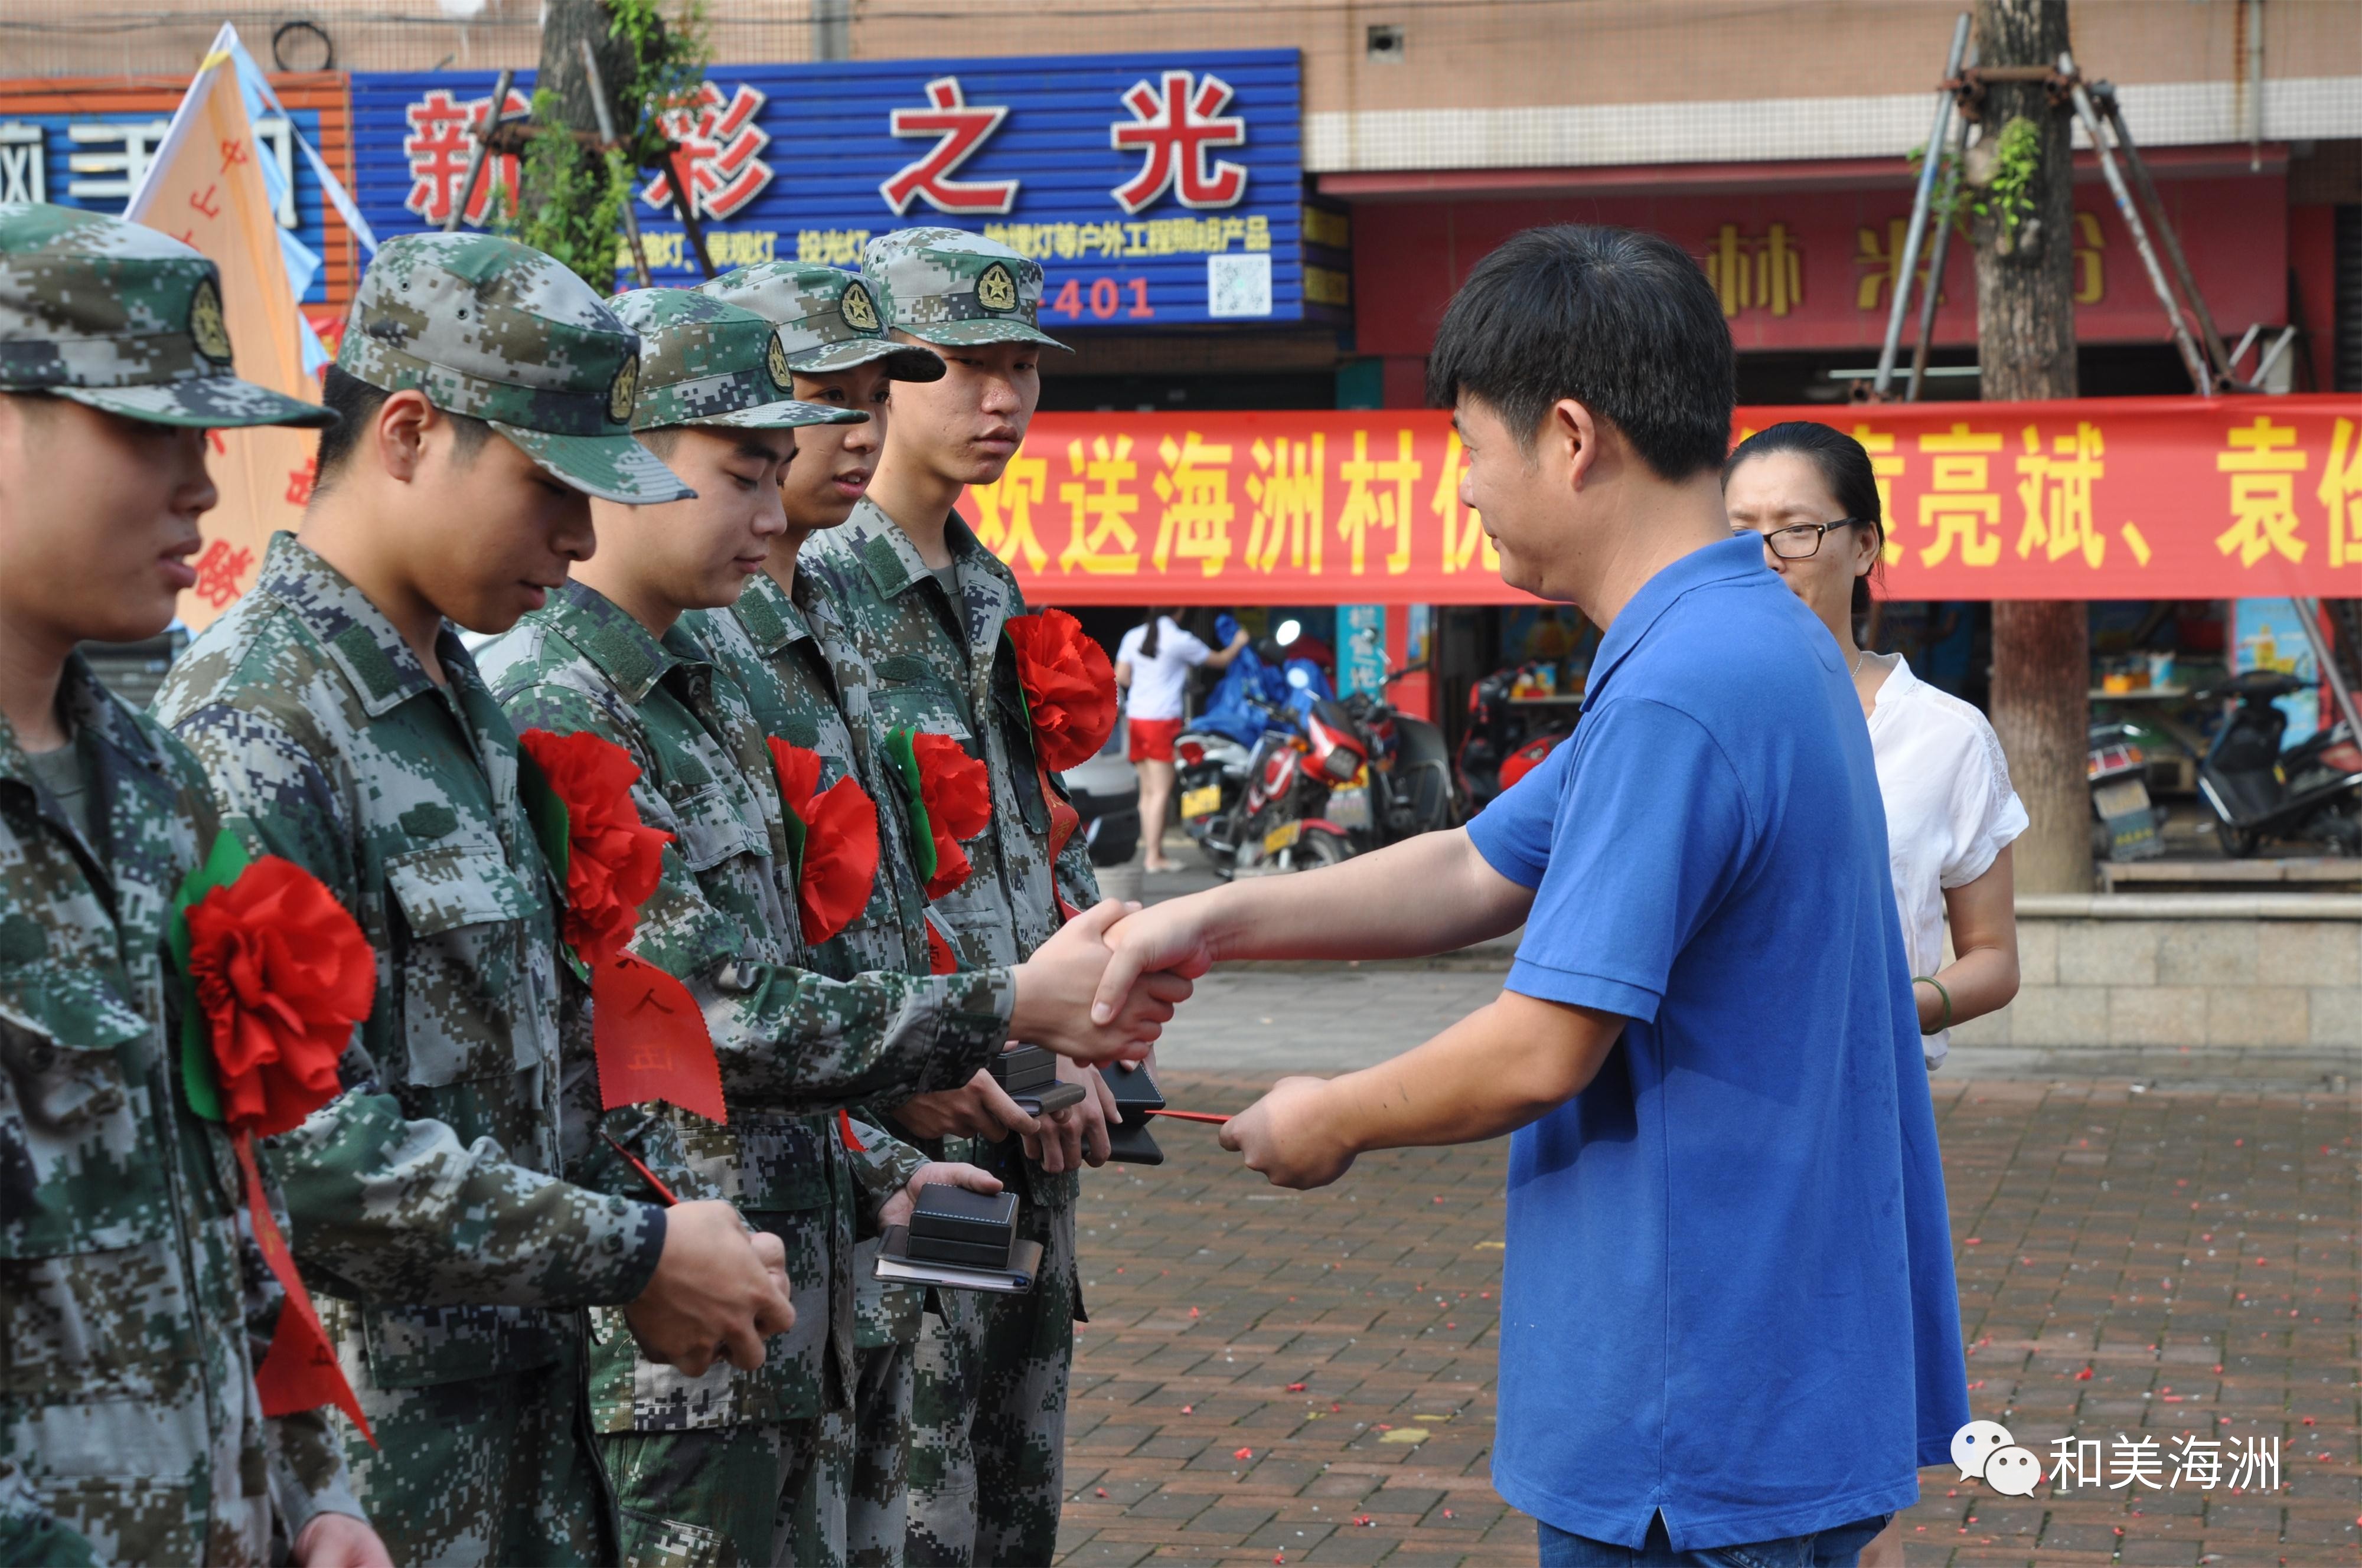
x=1227 y=711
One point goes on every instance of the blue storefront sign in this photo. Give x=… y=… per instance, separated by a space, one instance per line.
x=1154 y=190
x=97 y=159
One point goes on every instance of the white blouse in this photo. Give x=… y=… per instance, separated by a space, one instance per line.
x=1949 y=810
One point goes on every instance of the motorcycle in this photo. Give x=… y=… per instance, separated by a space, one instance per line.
x=1281 y=824
x=1350 y=776
x=1211 y=768
x=1503 y=742
x=1389 y=777
x=2311 y=791
x=1265 y=692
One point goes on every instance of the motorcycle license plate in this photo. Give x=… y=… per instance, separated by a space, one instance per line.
x=1349 y=808
x=1204 y=800
x=2121 y=798
x=1282 y=837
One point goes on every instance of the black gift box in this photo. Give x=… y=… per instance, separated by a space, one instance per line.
x=952 y=1225
x=1028 y=1075
x=1025 y=1068
x=1136 y=1095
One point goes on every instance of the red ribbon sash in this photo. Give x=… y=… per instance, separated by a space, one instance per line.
x=301 y=1372
x=650 y=1040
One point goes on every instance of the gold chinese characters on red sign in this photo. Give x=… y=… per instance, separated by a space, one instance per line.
x=2121 y=497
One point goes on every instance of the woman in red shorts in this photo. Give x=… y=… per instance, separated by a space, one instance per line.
x=1152 y=665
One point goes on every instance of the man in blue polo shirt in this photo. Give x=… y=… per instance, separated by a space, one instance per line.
x=1728 y=1290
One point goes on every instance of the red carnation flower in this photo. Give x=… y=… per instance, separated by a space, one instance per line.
x=836 y=857
x=957 y=795
x=283 y=973
x=1069 y=687
x=613 y=859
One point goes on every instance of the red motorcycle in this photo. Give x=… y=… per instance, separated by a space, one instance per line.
x=1504 y=741
x=1357 y=775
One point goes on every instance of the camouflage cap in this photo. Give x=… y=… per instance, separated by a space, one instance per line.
x=496 y=330
x=948 y=286
x=124 y=318
x=827 y=319
x=705 y=361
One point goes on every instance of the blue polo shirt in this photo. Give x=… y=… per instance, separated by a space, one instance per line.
x=1728 y=1294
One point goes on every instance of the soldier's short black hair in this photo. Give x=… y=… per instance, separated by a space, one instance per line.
x=1621 y=321
x=355 y=403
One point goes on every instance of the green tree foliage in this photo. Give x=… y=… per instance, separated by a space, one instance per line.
x=571 y=201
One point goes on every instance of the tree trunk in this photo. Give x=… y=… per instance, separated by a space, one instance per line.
x=2026 y=348
x=565 y=24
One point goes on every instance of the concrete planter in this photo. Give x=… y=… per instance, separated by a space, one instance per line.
x=2171 y=969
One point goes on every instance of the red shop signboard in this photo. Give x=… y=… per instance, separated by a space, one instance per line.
x=1817 y=268
x=2102 y=498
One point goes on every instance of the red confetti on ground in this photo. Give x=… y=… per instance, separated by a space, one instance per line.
x=1973 y=1242
x=1244 y=1453
x=1447 y=1513
x=1333 y=1406
x=1189 y=1410
x=2084 y=1376
x=1193 y=1311
x=1298 y=1388
x=1102 y=1491
x=1439 y=1200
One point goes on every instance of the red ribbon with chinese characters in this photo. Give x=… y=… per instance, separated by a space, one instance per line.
x=278 y=973
x=648 y=1033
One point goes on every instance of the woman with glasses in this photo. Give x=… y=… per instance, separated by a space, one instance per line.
x=1951 y=814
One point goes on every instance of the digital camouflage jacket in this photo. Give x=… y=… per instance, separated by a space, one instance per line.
x=931 y=665
x=794 y=1044
x=133 y=1303
x=784 y=652
x=429 y=1203
x=925 y=663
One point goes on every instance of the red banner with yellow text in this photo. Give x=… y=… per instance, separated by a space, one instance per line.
x=2102 y=498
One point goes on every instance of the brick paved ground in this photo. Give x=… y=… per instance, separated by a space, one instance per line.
x=2148 y=1265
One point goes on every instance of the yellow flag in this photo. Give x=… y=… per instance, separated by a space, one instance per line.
x=205 y=187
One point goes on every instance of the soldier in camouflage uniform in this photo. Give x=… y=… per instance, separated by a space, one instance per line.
x=990 y=1405
x=782 y=648
x=133 y=1303
x=343 y=725
x=715 y=1465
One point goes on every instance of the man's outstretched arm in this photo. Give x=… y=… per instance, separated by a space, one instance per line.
x=1428 y=894
x=1508 y=1063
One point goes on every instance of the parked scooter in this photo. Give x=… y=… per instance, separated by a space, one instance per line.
x=1261 y=700
x=1389 y=779
x=2311 y=793
x=1281 y=820
x=1211 y=771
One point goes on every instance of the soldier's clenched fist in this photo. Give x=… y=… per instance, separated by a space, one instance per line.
x=718 y=1287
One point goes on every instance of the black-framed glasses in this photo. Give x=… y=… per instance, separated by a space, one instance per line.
x=1801 y=541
